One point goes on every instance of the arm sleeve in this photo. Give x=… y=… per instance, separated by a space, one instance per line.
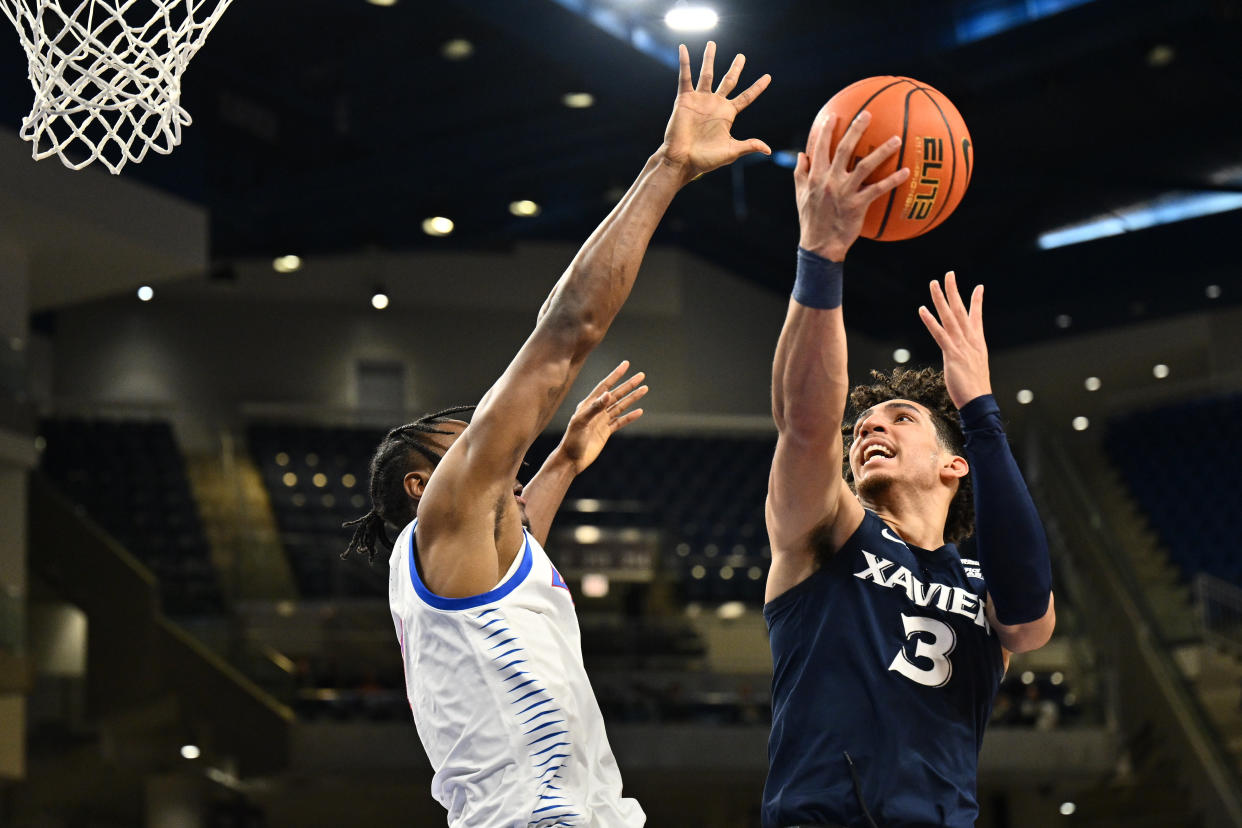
x=1013 y=549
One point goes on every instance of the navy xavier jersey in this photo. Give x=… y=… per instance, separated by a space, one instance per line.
x=884 y=654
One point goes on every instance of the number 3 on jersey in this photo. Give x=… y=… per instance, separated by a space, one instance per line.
x=933 y=643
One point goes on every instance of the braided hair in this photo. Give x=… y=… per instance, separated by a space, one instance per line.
x=926 y=387
x=392 y=461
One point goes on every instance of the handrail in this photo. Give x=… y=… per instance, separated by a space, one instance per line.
x=1142 y=660
x=1220 y=611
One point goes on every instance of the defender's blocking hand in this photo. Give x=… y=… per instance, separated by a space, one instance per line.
x=601 y=414
x=697 y=136
x=832 y=201
x=959 y=333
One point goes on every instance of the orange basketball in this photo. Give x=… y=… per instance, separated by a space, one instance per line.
x=935 y=145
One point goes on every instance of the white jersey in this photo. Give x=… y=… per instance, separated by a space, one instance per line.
x=502 y=702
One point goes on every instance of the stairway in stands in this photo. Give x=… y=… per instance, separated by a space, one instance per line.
x=240 y=526
x=1215 y=675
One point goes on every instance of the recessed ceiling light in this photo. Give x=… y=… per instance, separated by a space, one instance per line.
x=1161 y=54
x=525 y=208
x=682 y=18
x=901 y=356
x=1026 y=396
x=1064 y=320
x=190 y=751
x=1068 y=808
x=438 y=226
x=578 y=100
x=457 y=49
x=382 y=2
x=287 y=264
x=1081 y=424
x=379 y=300
x=1092 y=383
x=146 y=293
x=1212 y=291
x=1160 y=370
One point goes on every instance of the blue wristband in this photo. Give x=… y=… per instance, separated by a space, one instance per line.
x=818 y=284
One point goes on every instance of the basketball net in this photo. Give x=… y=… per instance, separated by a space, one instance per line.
x=107 y=74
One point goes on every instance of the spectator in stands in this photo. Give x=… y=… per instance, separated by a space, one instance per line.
x=489 y=639
x=888 y=647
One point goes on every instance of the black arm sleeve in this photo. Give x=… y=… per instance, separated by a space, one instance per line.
x=1013 y=549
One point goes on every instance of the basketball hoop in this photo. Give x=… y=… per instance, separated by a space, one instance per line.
x=107 y=74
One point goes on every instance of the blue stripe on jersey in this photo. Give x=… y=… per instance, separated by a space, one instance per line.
x=436 y=601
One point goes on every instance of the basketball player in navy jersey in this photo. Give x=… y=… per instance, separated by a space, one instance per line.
x=488 y=634
x=888 y=646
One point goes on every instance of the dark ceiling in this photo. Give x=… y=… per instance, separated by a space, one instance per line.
x=336 y=125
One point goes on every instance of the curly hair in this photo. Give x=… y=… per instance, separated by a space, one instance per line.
x=926 y=387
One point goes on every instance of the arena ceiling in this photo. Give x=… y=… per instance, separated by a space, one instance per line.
x=330 y=126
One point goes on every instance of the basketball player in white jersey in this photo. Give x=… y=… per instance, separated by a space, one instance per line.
x=490 y=641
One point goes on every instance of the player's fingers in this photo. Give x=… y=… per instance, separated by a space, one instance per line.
x=628 y=386
x=621 y=405
x=610 y=380
x=803 y=168
x=955 y=297
x=871 y=192
x=684 y=82
x=750 y=145
x=947 y=322
x=622 y=422
x=976 y=308
x=705 y=72
x=753 y=91
x=849 y=142
x=821 y=153
x=933 y=327
x=864 y=168
x=730 y=78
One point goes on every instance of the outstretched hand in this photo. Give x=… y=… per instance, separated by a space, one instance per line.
x=959 y=333
x=832 y=199
x=601 y=414
x=697 y=136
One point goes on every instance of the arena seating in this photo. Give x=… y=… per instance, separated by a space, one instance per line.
x=705 y=494
x=1179 y=463
x=130 y=478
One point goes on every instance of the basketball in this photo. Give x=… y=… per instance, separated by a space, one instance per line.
x=935 y=145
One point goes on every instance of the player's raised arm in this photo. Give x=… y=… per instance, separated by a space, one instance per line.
x=602 y=413
x=1012 y=546
x=468 y=509
x=806 y=492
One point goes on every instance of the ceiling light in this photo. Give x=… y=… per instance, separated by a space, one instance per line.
x=382 y=2
x=1056 y=678
x=731 y=609
x=691 y=18
x=1161 y=54
x=146 y=293
x=379 y=300
x=578 y=100
x=1025 y=396
x=1068 y=808
x=437 y=226
x=1092 y=383
x=1212 y=291
x=457 y=49
x=287 y=264
x=1028 y=677
x=901 y=356
x=1179 y=205
x=1064 y=320
x=190 y=751
x=524 y=208
x=1160 y=370
x=587 y=534
x=1081 y=423
x=594 y=585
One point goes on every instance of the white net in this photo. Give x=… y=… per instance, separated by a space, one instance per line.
x=107 y=75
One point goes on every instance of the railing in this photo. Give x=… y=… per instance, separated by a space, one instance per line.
x=1220 y=612
x=1155 y=696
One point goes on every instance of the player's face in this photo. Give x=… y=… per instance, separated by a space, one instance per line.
x=895 y=441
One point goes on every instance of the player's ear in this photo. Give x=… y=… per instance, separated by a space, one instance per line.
x=954 y=467
x=415 y=482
